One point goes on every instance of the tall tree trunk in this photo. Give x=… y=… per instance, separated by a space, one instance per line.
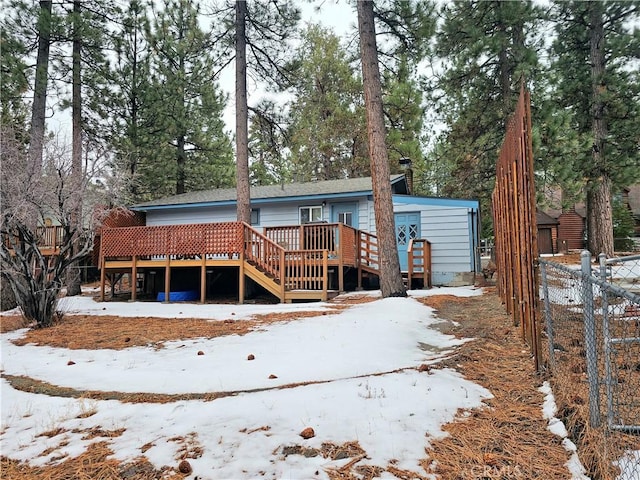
x=38 y=109
x=242 y=118
x=134 y=107
x=73 y=272
x=390 y=276
x=599 y=210
x=181 y=158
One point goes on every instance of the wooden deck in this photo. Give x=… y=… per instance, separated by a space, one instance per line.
x=49 y=240
x=291 y=262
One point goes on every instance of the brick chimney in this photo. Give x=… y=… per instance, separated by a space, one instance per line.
x=405 y=164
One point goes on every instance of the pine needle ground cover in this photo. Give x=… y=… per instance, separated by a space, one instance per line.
x=503 y=437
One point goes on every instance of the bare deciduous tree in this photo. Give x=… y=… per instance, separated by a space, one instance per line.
x=35 y=271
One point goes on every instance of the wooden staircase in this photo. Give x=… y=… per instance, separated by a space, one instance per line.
x=287 y=274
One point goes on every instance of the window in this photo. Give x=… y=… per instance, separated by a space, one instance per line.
x=346 y=218
x=255 y=216
x=310 y=214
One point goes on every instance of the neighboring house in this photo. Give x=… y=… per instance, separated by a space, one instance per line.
x=450 y=225
x=547 y=233
x=633 y=200
x=572 y=222
x=572 y=228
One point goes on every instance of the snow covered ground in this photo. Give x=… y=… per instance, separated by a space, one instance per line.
x=357 y=369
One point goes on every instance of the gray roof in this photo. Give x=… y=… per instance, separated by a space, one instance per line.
x=320 y=188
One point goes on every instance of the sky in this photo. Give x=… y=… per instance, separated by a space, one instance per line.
x=361 y=362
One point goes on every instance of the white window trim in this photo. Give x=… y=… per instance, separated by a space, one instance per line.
x=310 y=208
x=257 y=212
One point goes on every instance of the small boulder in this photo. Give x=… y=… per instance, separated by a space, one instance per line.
x=251 y=357
x=71 y=362
x=307 y=433
x=200 y=352
x=424 y=368
x=272 y=376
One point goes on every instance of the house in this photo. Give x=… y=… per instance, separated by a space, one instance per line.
x=632 y=198
x=547 y=233
x=335 y=216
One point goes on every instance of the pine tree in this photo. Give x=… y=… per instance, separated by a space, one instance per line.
x=270 y=163
x=485 y=49
x=39 y=105
x=193 y=151
x=260 y=30
x=130 y=108
x=598 y=84
x=15 y=82
x=327 y=131
x=390 y=276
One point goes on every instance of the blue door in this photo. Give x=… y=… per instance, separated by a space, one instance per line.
x=407 y=227
x=346 y=213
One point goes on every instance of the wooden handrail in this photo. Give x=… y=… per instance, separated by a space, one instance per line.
x=368 y=250
x=49 y=238
x=264 y=253
x=291 y=269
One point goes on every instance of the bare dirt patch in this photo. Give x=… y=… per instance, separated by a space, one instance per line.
x=9 y=323
x=98 y=332
x=92 y=464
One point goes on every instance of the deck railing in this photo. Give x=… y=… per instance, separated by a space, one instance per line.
x=306 y=269
x=291 y=269
x=337 y=238
x=264 y=253
x=50 y=239
x=368 y=251
x=170 y=240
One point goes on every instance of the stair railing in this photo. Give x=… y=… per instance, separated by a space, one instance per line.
x=419 y=261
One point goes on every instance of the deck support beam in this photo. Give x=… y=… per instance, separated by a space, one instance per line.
x=203 y=279
x=325 y=274
x=167 y=279
x=103 y=274
x=241 y=280
x=134 y=278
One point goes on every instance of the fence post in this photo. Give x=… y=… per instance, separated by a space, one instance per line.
x=590 y=339
x=548 y=318
x=607 y=340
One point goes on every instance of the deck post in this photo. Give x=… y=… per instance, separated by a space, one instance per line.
x=134 y=277
x=241 y=280
x=203 y=279
x=359 y=259
x=102 y=279
x=167 y=279
x=341 y=237
x=283 y=275
x=325 y=274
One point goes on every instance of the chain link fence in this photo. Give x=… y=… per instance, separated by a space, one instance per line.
x=591 y=349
